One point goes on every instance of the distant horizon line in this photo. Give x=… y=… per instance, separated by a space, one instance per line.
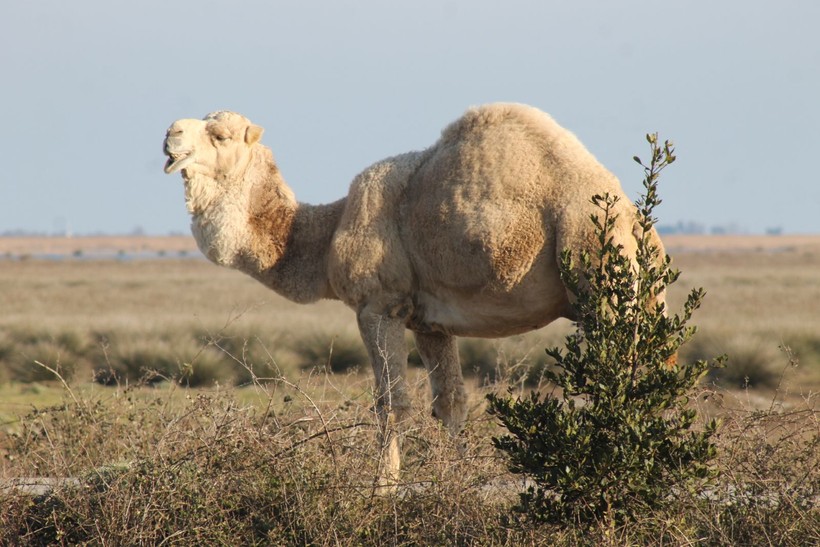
x=96 y=233
x=664 y=230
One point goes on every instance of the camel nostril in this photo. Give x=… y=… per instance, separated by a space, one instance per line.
x=172 y=132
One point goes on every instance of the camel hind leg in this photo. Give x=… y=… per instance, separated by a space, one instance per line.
x=439 y=352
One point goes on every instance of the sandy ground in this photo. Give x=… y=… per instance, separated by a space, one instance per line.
x=174 y=245
x=96 y=245
x=741 y=243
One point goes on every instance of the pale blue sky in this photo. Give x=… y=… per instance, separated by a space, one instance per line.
x=89 y=87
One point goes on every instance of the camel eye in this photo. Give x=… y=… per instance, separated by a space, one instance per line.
x=222 y=138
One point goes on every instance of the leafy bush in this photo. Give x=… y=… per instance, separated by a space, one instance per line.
x=621 y=438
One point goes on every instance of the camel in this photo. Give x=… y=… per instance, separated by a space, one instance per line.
x=460 y=239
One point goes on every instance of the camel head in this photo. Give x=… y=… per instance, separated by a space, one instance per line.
x=210 y=152
x=218 y=145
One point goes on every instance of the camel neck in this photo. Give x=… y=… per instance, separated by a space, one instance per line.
x=257 y=226
x=299 y=236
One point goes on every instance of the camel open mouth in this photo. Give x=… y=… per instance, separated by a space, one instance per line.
x=178 y=160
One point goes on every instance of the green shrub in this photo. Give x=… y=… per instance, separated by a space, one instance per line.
x=621 y=438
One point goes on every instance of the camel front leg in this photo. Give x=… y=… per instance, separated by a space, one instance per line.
x=383 y=337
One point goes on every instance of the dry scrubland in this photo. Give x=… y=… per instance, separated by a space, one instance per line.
x=288 y=457
x=179 y=317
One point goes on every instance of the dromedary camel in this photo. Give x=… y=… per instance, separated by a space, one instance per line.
x=460 y=239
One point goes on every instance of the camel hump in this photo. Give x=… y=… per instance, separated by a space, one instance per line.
x=479 y=119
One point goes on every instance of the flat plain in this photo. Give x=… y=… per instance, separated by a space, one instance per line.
x=65 y=300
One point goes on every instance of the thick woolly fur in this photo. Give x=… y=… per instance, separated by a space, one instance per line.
x=460 y=239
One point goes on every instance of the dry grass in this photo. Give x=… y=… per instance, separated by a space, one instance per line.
x=285 y=463
x=174 y=316
x=756 y=302
x=291 y=459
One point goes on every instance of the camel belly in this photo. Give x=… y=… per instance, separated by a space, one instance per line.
x=487 y=316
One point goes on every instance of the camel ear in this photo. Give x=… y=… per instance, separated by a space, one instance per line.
x=253 y=134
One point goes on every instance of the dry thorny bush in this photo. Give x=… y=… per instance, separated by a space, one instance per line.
x=204 y=469
x=296 y=466
x=768 y=490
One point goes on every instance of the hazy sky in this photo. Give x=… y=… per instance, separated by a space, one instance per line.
x=89 y=87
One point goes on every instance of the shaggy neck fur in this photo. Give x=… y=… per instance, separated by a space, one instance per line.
x=253 y=223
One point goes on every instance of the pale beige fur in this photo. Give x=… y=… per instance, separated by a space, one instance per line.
x=460 y=239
